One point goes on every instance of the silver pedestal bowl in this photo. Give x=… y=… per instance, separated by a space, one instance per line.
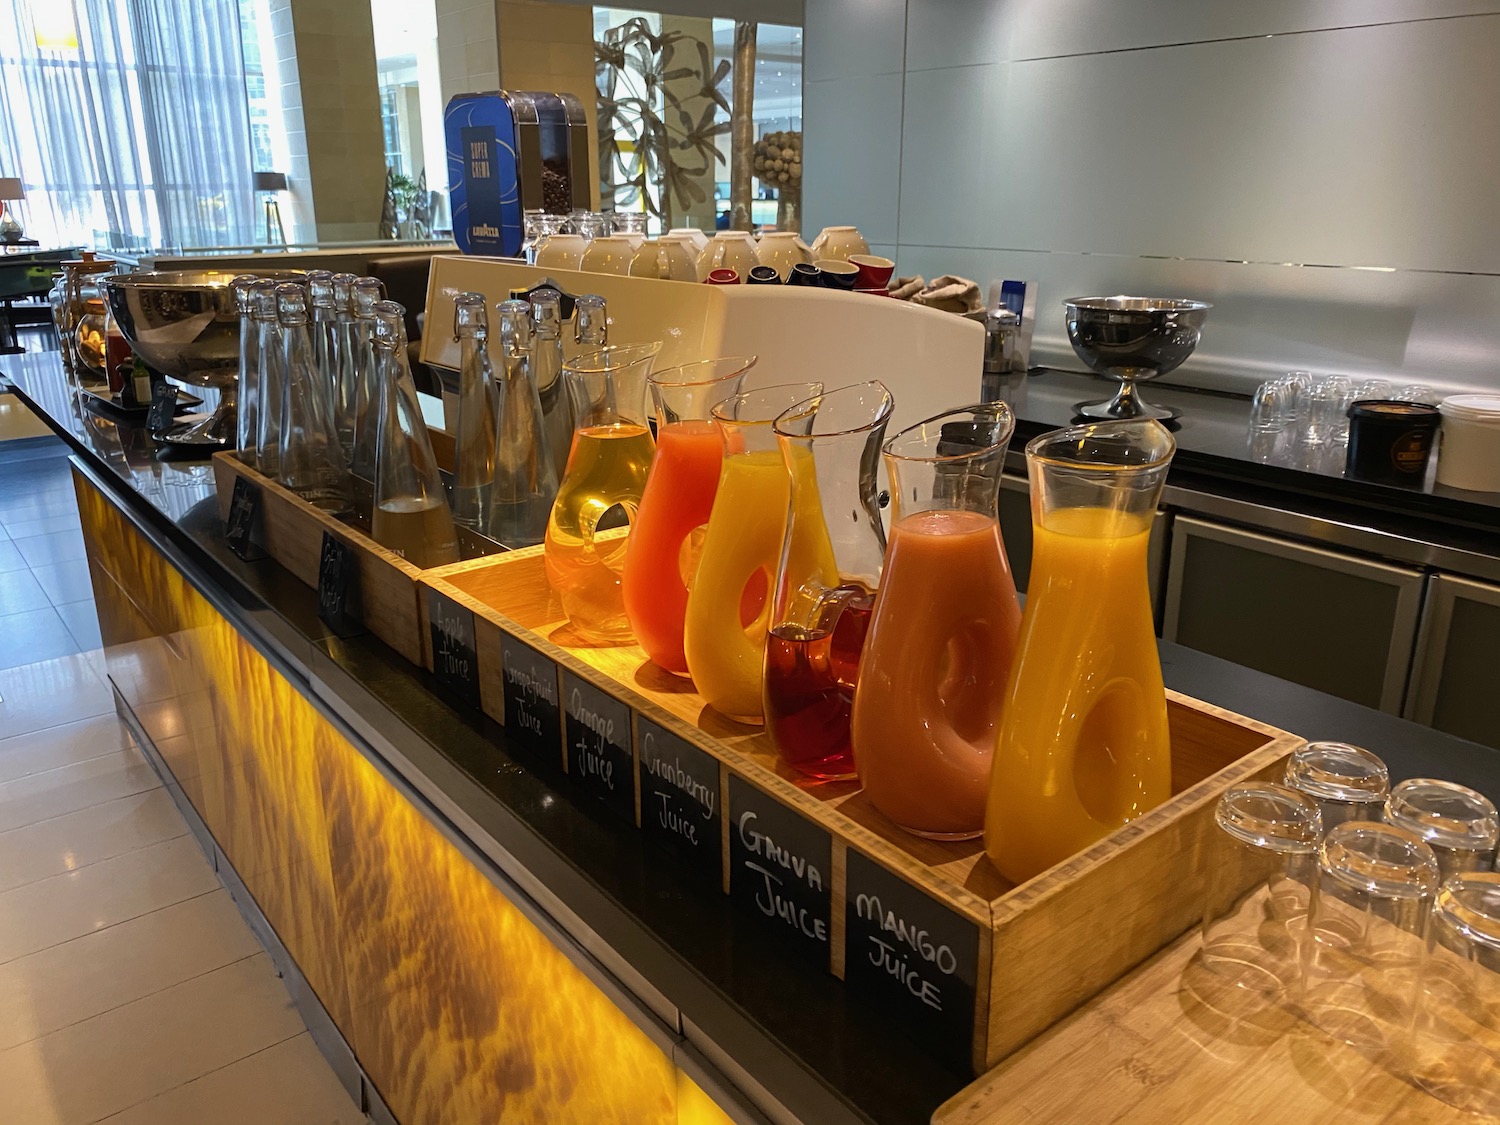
x=1132 y=339
x=184 y=324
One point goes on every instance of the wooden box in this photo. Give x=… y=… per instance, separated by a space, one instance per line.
x=978 y=965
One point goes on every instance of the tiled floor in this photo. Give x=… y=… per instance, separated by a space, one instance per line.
x=131 y=991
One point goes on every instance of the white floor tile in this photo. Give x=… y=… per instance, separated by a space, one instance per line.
x=61 y=746
x=77 y=839
x=51 y=692
x=41 y=796
x=103 y=894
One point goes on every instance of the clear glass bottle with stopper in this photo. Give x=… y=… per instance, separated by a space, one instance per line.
x=474 y=453
x=249 y=397
x=311 y=463
x=546 y=370
x=525 y=478
x=344 y=361
x=367 y=293
x=268 y=378
x=411 y=515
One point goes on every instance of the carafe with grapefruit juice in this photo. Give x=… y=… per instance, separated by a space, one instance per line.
x=728 y=605
x=607 y=467
x=830 y=569
x=943 y=634
x=668 y=531
x=1083 y=745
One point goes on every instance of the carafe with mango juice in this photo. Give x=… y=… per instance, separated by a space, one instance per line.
x=668 y=531
x=608 y=463
x=1083 y=745
x=943 y=635
x=729 y=604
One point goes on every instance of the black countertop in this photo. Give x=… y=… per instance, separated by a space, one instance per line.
x=820 y=1052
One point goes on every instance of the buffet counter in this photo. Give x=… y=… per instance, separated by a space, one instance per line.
x=471 y=941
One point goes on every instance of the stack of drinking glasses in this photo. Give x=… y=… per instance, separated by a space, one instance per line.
x=1371 y=910
x=1303 y=418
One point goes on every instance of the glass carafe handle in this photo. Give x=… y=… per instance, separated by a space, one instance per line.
x=592 y=513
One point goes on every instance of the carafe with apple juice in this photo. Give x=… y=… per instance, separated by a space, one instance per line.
x=1083 y=745
x=830 y=569
x=669 y=529
x=728 y=605
x=608 y=463
x=943 y=635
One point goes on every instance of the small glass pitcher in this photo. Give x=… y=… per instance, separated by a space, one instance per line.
x=1084 y=745
x=728 y=604
x=607 y=467
x=679 y=497
x=932 y=679
x=831 y=558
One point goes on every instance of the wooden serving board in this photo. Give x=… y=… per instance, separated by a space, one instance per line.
x=931 y=929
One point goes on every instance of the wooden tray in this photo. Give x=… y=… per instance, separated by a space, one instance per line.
x=1000 y=962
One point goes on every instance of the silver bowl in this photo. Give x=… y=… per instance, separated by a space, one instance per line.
x=1132 y=339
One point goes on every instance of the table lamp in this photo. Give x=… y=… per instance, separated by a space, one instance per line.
x=270 y=183
x=10 y=226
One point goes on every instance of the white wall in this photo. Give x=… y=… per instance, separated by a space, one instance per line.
x=1324 y=172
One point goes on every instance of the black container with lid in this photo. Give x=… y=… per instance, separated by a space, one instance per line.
x=1390 y=442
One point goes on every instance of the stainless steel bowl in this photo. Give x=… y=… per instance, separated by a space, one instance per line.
x=1132 y=339
x=183 y=323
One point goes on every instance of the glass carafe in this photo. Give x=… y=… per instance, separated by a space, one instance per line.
x=345 y=376
x=830 y=569
x=525 y=481
x=547 y=373
x=607 y=467
x=729 y=602
x=311 y=463
x=679 y=496
x=368 y=292
x=411 y=515
x=943 y=634
x=270 y=362
x=248 y=421
x=1083 y=744
x=474 y=450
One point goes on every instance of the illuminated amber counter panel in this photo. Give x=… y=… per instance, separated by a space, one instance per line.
x=457 y=1007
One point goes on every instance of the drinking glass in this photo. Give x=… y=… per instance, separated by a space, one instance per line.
x=606 y=471
x=1328 y=402
x=677 y=502
x=1362 y=967
x=831 y=558
x=728 y=603
x=1370 y=389
x=1459 y=824
x=1274 y=406
x=1259 y=877
x=1299 y=388
x=1416 y=392
x=1347 y=782
x=933 y=674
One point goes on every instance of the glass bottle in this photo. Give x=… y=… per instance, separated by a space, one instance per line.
x=607 y=466
x=368 y=292
x=547 y=372
x=248 y=422
x=1083 y=745
x=679 y=497
x=411 y=515
x=269 y=380
x=590 y=324
x=474 y=450
x=525 y=481
x=345 y=365
x=939 y=652
x=728 y=603
x=830 y=570
x=322 y=330
x=311 y=464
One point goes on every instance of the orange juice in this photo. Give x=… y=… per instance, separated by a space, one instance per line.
x=1083 y=744
x=607 y=467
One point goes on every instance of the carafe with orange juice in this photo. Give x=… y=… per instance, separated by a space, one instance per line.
x=608 y=462
x=1083 y=745
x=728 y=606
x=830 y=569
x=943 y=636
x=668 y=531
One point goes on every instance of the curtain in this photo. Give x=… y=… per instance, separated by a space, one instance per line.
x=127 y=120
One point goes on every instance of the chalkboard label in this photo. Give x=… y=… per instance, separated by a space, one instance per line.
x=244 y=527
x=163 y=410
x=680 y=805
x=533 y=720
x=455 y=654
x=912 y=953
x=338 y=587
x=598 y=737
x=780 y=867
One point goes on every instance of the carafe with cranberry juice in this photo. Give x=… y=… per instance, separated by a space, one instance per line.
x=830 y=569
x=608 y=462
x=943 y=635
x=728 y=605
x=668 y=531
